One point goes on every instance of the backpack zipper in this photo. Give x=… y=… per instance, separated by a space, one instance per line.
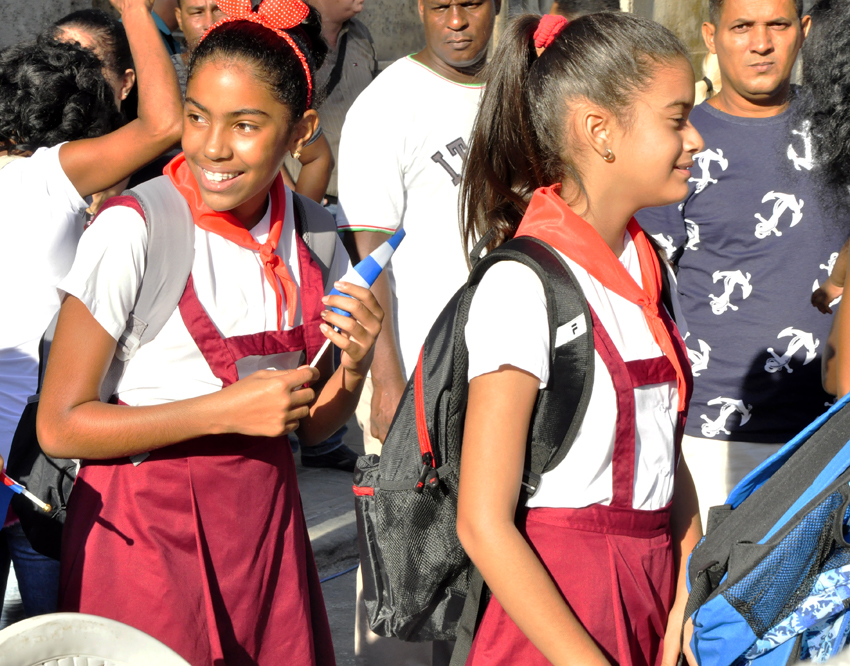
x=428 y=466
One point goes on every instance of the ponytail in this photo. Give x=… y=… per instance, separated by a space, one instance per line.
x=520 y=140
x=502 y=169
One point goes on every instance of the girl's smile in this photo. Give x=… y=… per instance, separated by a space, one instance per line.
x=217 y=181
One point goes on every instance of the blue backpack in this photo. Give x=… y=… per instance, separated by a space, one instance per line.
x=770 y=582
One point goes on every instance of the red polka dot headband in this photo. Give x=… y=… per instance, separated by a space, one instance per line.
x=276 y=15
x=550 y=26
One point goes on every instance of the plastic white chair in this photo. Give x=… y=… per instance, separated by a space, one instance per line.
x=76 y=639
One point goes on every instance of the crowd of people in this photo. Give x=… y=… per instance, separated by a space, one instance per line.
x=708 y=240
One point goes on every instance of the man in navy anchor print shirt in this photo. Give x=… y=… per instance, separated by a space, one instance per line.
x=751 y=243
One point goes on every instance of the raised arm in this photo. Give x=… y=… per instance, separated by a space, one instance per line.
x=93 y=165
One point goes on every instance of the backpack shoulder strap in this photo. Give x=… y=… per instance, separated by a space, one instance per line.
x=317 y=228
x=170 y=253
x=562 y=404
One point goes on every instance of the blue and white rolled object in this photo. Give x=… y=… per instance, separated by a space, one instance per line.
x=367 y=271
x=364 y=274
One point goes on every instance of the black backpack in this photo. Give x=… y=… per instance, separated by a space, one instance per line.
x=418 y=583
x=171 y=250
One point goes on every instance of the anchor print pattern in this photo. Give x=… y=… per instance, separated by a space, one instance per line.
x=729 y=406
x=782 y=203
x=731 y=279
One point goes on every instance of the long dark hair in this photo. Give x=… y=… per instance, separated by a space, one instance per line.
x=519 y=140
x=273 y=59
x=825 y=98
x=108 y=32
x=52 y=92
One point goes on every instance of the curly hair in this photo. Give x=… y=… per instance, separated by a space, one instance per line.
x=52 y=92
x=826 y=99
x=106 y=30
x=274 y=60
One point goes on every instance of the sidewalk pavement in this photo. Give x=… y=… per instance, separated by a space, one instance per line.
x=328 y=501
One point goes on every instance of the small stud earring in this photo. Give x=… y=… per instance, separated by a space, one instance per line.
x=296 y=154
x=609 y=155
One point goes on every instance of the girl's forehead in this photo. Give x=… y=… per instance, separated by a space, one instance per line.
x=231 y=82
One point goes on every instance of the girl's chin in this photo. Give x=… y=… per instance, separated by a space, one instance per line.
x=218 y=202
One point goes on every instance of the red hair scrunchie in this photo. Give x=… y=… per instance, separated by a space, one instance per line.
x=276 y=15
x=550 y=26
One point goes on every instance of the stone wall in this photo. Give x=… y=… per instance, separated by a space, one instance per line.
x=683 y=17
x=395 y=27
x=24 y=19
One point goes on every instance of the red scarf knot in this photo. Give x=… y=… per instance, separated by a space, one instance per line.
x=225 y=224
x=550 y=219
x=267 y=253
x=276 y=15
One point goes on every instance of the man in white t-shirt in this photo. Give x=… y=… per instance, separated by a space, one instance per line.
x=401 y=154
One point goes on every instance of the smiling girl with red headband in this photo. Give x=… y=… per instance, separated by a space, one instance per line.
x=581 y=125
x=203 y=545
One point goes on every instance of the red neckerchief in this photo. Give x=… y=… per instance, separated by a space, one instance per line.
x=550 y=219
x=226 y=225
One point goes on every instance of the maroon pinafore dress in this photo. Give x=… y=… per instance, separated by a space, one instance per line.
x=613 y=564
x=204 y=544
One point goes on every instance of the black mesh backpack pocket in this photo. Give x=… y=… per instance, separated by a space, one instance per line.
x=418 y=583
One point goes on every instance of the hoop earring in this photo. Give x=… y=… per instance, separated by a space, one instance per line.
x=296 y=154
x=608 y=156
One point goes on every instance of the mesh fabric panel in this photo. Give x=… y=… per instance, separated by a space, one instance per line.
x=784 y=577
x=421 y=551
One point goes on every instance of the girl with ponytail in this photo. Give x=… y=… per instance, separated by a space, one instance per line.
x=203 y=543
x=581 y=125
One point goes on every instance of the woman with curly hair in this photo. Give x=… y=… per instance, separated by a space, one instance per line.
x=826 y=107
x=62 y=139
x=97 y=31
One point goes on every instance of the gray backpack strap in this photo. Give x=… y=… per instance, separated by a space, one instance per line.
x=170 y=253
x=317 y=228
